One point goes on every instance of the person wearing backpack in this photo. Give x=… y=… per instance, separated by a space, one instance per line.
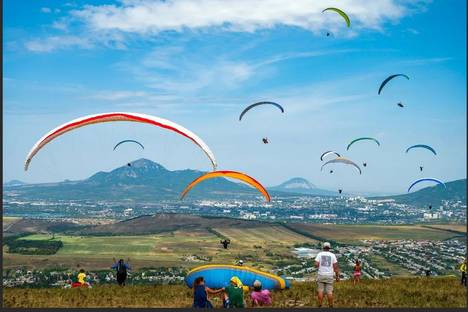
x=121 y=268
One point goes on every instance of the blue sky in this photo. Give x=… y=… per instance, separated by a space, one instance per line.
x=199 y=63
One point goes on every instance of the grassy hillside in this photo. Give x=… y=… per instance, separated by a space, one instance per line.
x=399 y=292
x=433 y=195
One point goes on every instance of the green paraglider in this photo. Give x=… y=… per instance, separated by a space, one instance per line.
x=341 y=13
x=361 y=139
x=422 y=146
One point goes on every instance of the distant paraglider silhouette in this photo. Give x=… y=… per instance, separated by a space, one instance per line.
x=225 y=243
x=265 y=141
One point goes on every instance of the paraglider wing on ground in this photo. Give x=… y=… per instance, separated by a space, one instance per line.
x=218 y=276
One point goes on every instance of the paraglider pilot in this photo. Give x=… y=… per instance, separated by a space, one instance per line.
x=225 y=243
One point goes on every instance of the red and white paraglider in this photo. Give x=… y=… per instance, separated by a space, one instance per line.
x=118 y=116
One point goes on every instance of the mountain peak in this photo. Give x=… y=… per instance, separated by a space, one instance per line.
x=297 y=183
x=147 y=164
x=14 y=183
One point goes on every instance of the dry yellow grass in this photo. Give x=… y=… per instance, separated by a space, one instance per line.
x=398 y=292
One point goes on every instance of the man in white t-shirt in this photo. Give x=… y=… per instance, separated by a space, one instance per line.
x=327 y=266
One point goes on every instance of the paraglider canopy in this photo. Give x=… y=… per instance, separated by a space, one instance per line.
x=424 y=146
x=361 y=139
x=341 y=13
x=257 y=104
x=343 y=161
x=118 y=116
x=382 y=85
x=228 y=174
x=426 y=180
x=329 y=153
x=129 y=141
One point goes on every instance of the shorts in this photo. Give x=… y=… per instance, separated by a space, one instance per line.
x=357 y=273
x=325 y=283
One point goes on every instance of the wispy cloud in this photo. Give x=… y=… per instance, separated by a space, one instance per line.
x=58 y=42
x=425 y=61
x=145 y=18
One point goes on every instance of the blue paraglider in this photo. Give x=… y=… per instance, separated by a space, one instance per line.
x=219 y=275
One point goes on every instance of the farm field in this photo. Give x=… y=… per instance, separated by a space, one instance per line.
x=396 y=292
x=383 y=263
x=353 y=234
x=178 y=248
x=451 y=227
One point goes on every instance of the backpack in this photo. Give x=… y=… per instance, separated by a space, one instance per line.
x=121 y=268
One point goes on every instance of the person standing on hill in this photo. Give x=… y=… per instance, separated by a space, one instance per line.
x=357 y=272
x=122 y=269
x=327 y=266
x=463 y=272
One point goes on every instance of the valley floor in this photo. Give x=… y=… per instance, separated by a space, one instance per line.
x=396 y=292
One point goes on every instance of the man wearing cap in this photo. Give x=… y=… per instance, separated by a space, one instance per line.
x=327 y=266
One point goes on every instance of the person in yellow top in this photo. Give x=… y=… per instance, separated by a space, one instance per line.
x=463 y=272
x=82 y=277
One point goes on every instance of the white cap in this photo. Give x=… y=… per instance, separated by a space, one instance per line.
x=240 y=261
x=257 y=283
x=326 y=244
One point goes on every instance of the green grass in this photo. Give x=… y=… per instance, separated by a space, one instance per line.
x=354 y=233
x=393 y=268
x=397 y=292
x=165 y=249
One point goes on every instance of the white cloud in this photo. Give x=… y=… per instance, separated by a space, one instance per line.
x=117 y=95
x=46 y=10
x=58 y=42
x=149 y=17
x=105 y=24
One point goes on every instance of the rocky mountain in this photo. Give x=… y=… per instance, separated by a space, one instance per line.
x=301 y=186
